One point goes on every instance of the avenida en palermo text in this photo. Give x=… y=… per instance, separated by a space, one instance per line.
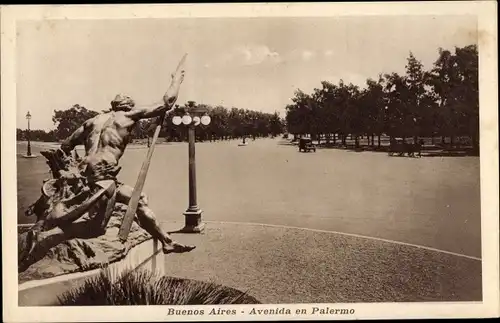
x=263 y=311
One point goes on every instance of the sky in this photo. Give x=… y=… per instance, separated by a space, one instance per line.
x=249 y=63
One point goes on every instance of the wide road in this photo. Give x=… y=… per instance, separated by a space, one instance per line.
x=429 y=201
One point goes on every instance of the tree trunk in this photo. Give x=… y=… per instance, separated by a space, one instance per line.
x=334 y=138
x=378 y=141
x=443 y=141
x=344 y=137
x=356 y=141
x=415 y=140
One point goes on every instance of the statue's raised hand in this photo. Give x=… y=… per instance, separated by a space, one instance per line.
x=173 y=91
x=178 y=77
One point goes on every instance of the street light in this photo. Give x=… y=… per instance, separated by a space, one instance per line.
x=28 y=153
x=205 y=120
x=191 y=119
x=186 y=119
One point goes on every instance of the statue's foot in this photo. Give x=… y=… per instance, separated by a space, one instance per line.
x=176 y=247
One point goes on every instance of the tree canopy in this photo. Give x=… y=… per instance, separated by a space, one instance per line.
x=67 y=121
x=443 y=101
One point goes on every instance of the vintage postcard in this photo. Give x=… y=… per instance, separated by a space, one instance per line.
x=207 y=162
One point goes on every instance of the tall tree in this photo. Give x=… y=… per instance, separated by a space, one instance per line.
x=415 y=83
x=454 y=83
x=396 y=112
x=373 y=104
x=69 y=120
x=275 y=124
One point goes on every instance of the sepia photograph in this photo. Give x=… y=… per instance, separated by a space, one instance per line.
x=262 y=162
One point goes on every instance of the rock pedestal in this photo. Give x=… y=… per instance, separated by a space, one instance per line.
x=86 y=251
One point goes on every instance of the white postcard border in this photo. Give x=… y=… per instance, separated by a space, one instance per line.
x=486 y=12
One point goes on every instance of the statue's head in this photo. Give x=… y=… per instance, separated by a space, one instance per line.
x=122 y=103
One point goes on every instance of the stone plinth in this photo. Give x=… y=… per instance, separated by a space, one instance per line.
x=78 y=255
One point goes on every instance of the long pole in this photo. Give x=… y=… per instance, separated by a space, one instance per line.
x=128 y=218
x=29 y=139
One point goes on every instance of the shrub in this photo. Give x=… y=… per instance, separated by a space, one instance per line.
x=143 y=287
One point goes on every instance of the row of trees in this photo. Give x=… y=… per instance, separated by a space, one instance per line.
x=225 y=124
x=66 y=121
x=36 y=135
x=443 y=101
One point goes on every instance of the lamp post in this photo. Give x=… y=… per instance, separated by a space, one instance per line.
x=28 y=153
x=194 y=117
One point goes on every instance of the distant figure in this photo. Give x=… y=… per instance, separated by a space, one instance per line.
x=416 y=147
x=397 y=148
x=421 y=144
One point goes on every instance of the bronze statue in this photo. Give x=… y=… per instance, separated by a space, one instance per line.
x=79 y=200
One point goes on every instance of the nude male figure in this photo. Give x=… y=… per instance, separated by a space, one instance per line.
x=105 y=138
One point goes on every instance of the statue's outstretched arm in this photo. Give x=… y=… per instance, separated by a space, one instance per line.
x=147 y=111
x=158 y=109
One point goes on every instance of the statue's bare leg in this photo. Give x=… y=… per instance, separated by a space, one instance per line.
x=34 y=244
x=147 y=220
